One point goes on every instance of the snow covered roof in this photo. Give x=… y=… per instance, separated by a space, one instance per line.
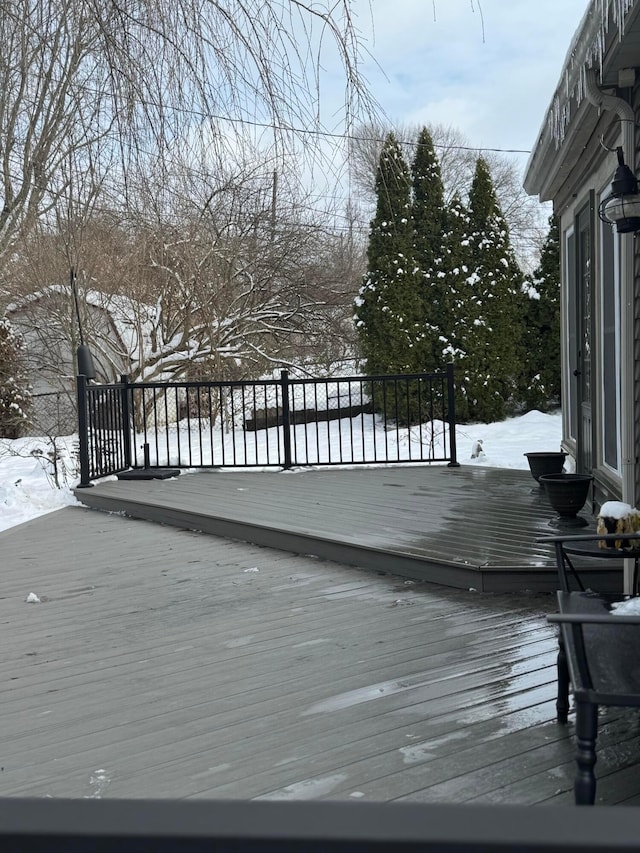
x=597 y=46
x=127 y=318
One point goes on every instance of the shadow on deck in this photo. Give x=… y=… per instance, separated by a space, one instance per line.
x=468 y=527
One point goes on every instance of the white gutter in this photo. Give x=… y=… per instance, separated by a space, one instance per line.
x=586 y=52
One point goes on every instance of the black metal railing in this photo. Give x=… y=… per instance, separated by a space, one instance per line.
x=281 y=423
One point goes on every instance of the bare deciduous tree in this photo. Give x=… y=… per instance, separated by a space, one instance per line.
x=112 y=88
x=220 y=276
x=240 y=279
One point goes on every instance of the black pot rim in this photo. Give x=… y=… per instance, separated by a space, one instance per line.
x=551 y=453
x=566 y=478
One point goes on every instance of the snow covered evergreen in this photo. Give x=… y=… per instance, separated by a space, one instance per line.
x=388 y=304
x=443 y=285
x=14 y=394
x=541 y=368
x=429 y=218
x=489 y=308
x=456 y=339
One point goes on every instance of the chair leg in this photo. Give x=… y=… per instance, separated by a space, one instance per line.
x=562 y=701
x=586 y=733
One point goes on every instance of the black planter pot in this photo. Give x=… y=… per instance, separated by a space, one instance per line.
x=545 y=462
x=567 y=494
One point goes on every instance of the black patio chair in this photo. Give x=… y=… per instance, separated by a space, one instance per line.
x=598 y=651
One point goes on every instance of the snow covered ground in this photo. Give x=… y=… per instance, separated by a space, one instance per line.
x=37 y=477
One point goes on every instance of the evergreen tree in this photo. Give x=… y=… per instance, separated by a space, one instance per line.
x=540 y=383
x=458 y=311
x=14 y=396
x=388 y=304
x=442 y=285
x=429 y=217
x=493 y=306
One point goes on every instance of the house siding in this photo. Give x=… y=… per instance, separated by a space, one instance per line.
x=596 y=116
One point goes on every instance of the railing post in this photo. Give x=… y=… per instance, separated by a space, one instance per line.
x=286 y=419
x=126 y=418
x=83 y=432
x=451 y=410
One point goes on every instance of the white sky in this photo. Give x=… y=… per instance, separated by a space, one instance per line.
x=27 y=490
x=486 y=67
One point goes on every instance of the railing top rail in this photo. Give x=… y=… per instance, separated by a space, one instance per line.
x=206 y=383
x=242 y=383
x=369 y=378
x=103 y=386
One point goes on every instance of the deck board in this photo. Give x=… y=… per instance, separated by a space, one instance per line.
x=160 y=665
x=467 y=527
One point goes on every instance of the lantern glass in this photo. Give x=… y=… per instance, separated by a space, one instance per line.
x=624 y=212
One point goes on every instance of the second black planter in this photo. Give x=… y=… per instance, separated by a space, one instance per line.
x=567 y=494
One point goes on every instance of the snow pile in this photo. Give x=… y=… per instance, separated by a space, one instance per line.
x=630 y=607
x=616 y=509
x=37 y=476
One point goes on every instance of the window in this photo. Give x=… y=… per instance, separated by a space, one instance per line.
x=610 y=356
x=569 y=389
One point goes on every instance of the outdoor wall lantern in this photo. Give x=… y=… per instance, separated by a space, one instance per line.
x=622 y=206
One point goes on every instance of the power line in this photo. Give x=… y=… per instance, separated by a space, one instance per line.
x=356 y=138
x=327 y=134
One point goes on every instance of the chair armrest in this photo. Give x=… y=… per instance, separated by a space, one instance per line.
x=591 y=537
x=593 y=619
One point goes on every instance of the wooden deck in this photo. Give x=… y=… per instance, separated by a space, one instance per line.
x=168 y=663
x=468 y=527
